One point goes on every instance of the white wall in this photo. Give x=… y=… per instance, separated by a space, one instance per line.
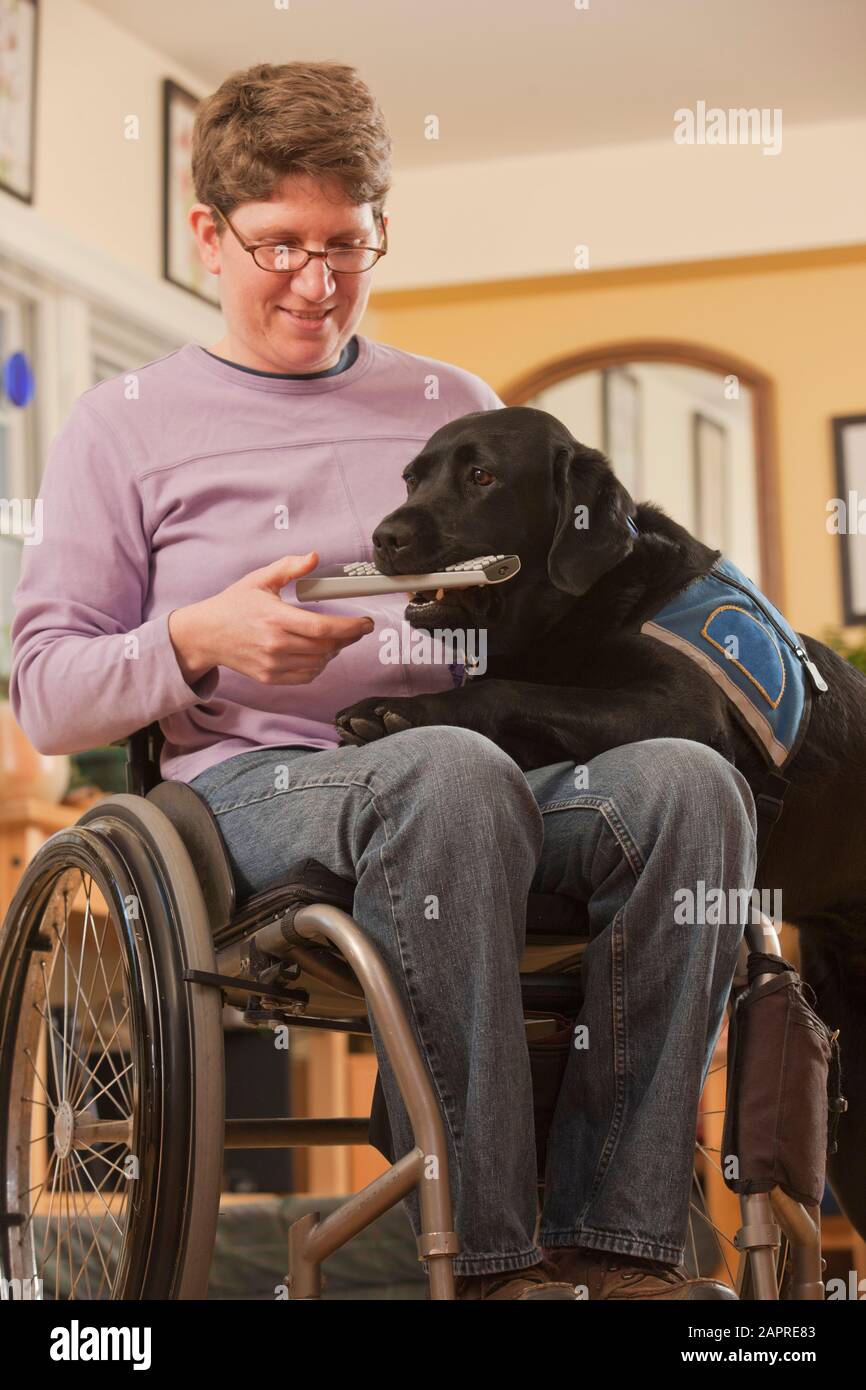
x=577 y=403
x=105 y=189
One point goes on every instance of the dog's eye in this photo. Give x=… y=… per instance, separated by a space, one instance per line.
x=409 y=479
x=482 y=477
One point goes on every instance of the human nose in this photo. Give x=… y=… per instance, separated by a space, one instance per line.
x=314 y=280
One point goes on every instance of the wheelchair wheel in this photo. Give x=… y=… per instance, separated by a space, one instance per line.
x=710 y=1251
x=111 y=1066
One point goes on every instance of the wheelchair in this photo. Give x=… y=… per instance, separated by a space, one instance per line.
x=122 y=945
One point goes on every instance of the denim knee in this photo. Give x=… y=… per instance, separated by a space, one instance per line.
x=700 y=781
x=466 y=767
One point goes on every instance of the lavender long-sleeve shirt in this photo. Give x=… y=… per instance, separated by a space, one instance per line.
x=167 y=484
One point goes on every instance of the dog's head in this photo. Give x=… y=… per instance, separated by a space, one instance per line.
x=512 y=481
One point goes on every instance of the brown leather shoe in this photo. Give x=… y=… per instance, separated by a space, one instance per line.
x=606 y=1275
x=537 y=1282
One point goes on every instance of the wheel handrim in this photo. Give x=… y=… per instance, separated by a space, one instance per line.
x=73 y=1091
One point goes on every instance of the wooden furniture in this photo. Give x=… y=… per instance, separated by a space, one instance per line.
x=25 y=824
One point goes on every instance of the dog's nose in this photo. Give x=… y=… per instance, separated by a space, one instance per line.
x=390 y=538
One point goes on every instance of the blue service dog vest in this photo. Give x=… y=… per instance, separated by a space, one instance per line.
x=735 y=634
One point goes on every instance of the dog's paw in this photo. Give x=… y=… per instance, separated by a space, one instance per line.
x=370 y=719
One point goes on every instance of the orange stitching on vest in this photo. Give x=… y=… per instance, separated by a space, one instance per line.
x=774 y=704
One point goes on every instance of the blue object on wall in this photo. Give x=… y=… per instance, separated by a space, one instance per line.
x=19 y=382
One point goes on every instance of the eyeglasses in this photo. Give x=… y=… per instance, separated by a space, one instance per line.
x=276 y=256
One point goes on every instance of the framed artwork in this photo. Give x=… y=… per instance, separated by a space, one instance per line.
x=18 y=42
x=180 y=259
x=621 y=426
x=849 y=447
x=710 y=481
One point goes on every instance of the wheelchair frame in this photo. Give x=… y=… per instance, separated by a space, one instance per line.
x=269 y=950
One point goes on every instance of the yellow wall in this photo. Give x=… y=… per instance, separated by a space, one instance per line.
x=798 y=318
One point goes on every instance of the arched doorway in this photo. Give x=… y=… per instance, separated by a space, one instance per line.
x=684 y=426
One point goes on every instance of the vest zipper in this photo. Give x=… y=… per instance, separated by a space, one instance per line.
x=814 y=674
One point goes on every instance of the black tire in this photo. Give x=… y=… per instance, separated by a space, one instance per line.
x=132 y=1102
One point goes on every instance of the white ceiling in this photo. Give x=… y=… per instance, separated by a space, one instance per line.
x=516 y=77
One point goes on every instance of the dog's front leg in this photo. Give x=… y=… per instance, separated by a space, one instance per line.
x=535 y=724
x=542 y=724
x=380 y=715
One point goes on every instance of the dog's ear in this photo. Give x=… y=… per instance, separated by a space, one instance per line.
x=593 y=531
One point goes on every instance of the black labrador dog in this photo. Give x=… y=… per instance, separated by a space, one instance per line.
x=569 y=675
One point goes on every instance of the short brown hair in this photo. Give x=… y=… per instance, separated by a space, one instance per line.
x=274 y=120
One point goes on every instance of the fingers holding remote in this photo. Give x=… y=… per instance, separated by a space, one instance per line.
x=250 y=629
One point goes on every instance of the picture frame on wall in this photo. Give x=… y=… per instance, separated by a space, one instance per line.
x=849 y=450
x=19 y=29
x=710 y=481
x=181 y=264
x=621 y=426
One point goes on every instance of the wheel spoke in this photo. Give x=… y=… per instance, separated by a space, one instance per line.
x=117 y=1075
x=67 y=1078
x=99 y=967
x=52 y=1108
x=97 y=1188
x=702 y=1212
x=109 y=996
x=83 y=1265
x=66 y=1187
x=104 y=1088
x=101 y=1156
x=57 y=1080
x=98 y=1232
x=693 y=1243
x=706 y=1152
x=50 y=1209
x=61 y=1087
x=49 y=1021
x=718 y=1234
x=101 y=1198
x=94 y=1243
x=40 y=1186
x=96 y=1027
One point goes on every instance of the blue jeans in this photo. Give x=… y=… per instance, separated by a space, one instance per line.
x=445 y=836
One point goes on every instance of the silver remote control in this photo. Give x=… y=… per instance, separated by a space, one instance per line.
x=362 y=578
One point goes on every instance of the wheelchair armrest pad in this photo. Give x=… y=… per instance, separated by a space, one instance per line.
x=313 y=883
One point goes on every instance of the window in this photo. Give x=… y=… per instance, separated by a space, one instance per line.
x=117 y=346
